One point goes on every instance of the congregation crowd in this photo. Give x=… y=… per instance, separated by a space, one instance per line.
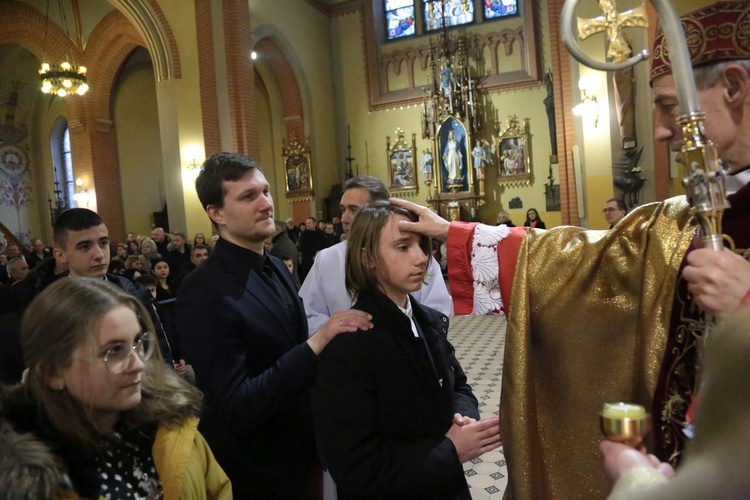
x=287 y=362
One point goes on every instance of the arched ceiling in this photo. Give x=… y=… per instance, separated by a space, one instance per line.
x=81 y=15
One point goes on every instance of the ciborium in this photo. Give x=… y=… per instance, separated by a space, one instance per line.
x=625 y=423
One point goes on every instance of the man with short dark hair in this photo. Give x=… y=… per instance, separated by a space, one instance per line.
x=324 y=291
x=338 y=228
x=310 y=243
x=12 y=251
x=198 y=255
x=241 y=323
x=178 y=254
x=161 y=239
x=330 y=238
x=38 y=254
x=614 y=210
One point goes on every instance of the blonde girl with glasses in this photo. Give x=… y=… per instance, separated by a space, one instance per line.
x=99 y=402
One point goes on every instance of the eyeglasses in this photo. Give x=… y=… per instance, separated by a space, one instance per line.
x=610 y=209
x=117 y=357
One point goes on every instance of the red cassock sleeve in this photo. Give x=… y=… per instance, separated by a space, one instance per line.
x=460 y=276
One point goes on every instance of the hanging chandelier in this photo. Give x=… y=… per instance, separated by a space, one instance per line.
x=65 y=78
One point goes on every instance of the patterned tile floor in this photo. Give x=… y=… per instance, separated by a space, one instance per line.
x=480 y=343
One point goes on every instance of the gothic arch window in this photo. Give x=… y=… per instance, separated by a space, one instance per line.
x=62 y=164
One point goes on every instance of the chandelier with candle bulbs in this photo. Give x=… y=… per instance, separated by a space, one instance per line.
x=65 y=78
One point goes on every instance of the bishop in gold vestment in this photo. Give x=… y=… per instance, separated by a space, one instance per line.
x=589 y=317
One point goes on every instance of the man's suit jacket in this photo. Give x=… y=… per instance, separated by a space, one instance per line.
x=382 y=407
x=251 y=361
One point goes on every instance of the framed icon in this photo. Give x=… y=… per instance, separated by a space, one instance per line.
x=298 y=168
x=401 y=157
x=514 y=153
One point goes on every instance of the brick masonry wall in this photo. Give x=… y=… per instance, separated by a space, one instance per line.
x=563 y=87
x=240 y=77
x=207 y=64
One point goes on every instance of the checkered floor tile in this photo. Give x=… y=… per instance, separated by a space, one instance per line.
x=480 y=343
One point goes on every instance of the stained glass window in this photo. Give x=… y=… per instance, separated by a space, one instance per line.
x=447 y=12
x=399 y=18
x=62 y=163
x=494 y=9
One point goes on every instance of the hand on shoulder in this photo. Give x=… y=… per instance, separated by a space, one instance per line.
x=350 y=320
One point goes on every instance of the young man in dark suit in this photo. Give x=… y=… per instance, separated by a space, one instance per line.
x=242 y=325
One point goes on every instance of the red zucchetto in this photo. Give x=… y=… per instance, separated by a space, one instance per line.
x=718 y=32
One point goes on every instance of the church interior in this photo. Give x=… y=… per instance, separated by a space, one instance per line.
x=469 y=107
x=318 y=91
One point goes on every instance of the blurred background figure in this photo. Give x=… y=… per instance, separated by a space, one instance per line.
x=614 y=210
x=503 y=217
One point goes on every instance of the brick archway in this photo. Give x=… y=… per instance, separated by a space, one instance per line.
x=24 y=25
x=293 y=109
x=151 y=24
x=288 y=85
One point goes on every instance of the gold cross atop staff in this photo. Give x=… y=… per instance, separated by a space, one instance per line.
x=611 y=22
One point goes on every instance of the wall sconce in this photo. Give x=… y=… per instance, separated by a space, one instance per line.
x=588 y=107
x=82 y=195
x=192 y=170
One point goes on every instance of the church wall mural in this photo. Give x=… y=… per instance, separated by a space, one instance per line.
x=17 y=184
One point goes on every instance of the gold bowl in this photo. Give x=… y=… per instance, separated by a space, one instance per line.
x=629 y=431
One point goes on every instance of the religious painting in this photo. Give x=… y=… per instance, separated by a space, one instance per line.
x=452 y=143
x=514 y=153
x=15 y=182
x=298 y=168
x=401 y=169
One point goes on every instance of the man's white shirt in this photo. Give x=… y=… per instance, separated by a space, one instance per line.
x=324 y=290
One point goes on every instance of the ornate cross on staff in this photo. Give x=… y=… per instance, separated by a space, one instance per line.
x=612 y=22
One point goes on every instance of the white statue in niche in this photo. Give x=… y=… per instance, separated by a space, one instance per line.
x=452 y=158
